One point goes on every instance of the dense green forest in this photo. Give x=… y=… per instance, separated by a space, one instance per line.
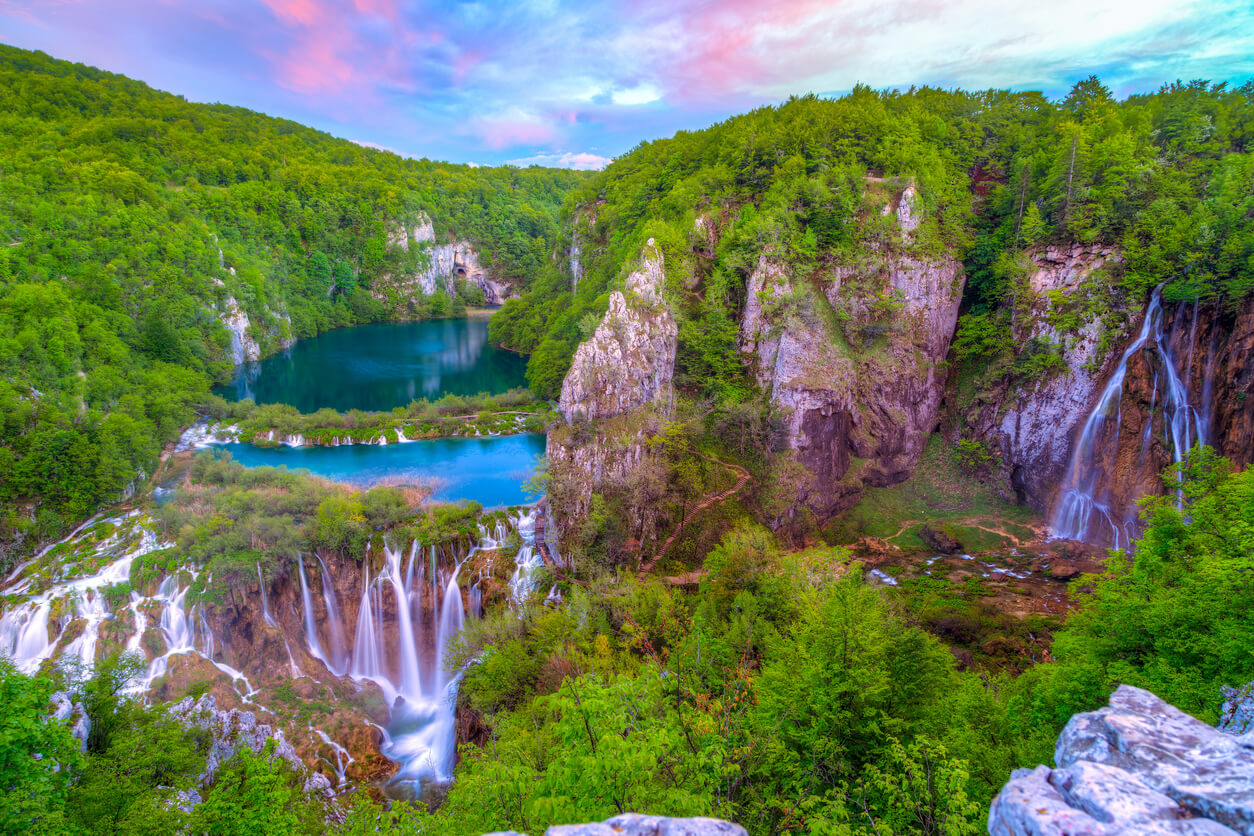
x=129 y=216
x=1164 y=176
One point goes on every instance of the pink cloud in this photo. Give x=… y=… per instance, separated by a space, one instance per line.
x=303 y=12
x=513 y=128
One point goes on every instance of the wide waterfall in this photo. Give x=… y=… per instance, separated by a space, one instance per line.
x=405 y=655
x=1085 y=509
x=411 y=607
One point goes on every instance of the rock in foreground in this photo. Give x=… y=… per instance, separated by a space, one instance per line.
x=634 y=824
x=1138 y=766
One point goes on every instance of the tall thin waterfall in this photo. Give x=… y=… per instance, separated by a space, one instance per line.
x=335 y=628
x=1084 y=508
x=265 y=602
x=311 y=629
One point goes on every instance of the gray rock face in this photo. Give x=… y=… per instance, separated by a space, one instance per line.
x=634 y=824
x=1036 y=424
x=869 y=388
x=73 y=714
x=448 y=262
x=630 y=359
x=232 y=731
x=1136 y=766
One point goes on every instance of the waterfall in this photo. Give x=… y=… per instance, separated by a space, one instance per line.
x=411 y=680
x=339 y=657
x=451 y=619
x=528 y=559
x=311 y=631
x=368 y=640
x=265 y=603
x=1084 y=508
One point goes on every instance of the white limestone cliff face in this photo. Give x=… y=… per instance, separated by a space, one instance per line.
x=1032 y=426
x=447 y=262
x=860 y=399
x=618 y=382
x=244 y=346
x=630 y=359
x=1138 y=766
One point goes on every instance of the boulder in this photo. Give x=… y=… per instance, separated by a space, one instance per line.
x=1138 y=766
x=634 y=824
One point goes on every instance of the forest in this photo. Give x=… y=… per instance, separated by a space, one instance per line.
x=129 y=216
x=1163 y=176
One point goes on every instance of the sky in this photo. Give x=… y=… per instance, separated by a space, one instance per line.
x=575 y=83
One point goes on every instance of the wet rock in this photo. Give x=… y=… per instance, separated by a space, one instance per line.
x=1061 y=570
x=1137 y=766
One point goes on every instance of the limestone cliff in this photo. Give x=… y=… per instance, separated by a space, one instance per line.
x=851 y=357
x=245 y=347
x=1032 y=425
x=618 y=383
x=1138 y=766
x=445 y=261
x=630 y=359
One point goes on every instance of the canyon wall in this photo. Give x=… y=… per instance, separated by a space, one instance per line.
x=852 y=358
x=618 y=386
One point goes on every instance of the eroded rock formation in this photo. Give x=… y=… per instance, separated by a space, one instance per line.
x=619 y=381
x=1138 y=766
x=630 y=359
x=447 y=261
x=852 y=358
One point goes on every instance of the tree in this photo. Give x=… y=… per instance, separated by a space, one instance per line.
x=38 y=757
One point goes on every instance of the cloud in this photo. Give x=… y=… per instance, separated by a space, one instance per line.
x=582 y=161
x=525 y=80
x=512 y=128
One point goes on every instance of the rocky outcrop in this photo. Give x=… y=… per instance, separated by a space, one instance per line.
x=1138 y=766
x=852 y=360
x=447 y=261
x=618 y=383
x=630 y=359
x=244 y=346
x=229 y=732
x=634 y=824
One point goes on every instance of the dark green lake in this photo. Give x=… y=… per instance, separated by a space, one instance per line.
x=489 y=471
x=379 y=367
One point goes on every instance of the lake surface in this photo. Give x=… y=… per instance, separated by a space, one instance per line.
x=489 y=471
x=379 y=367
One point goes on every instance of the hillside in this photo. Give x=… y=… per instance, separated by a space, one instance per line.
x=150 y=241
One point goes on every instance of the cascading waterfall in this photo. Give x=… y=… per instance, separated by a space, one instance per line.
x=521 y=584
x=404 y=652
x=1084 y=508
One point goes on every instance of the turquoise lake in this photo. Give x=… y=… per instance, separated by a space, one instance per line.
x=379 y=367
x=489 y=471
